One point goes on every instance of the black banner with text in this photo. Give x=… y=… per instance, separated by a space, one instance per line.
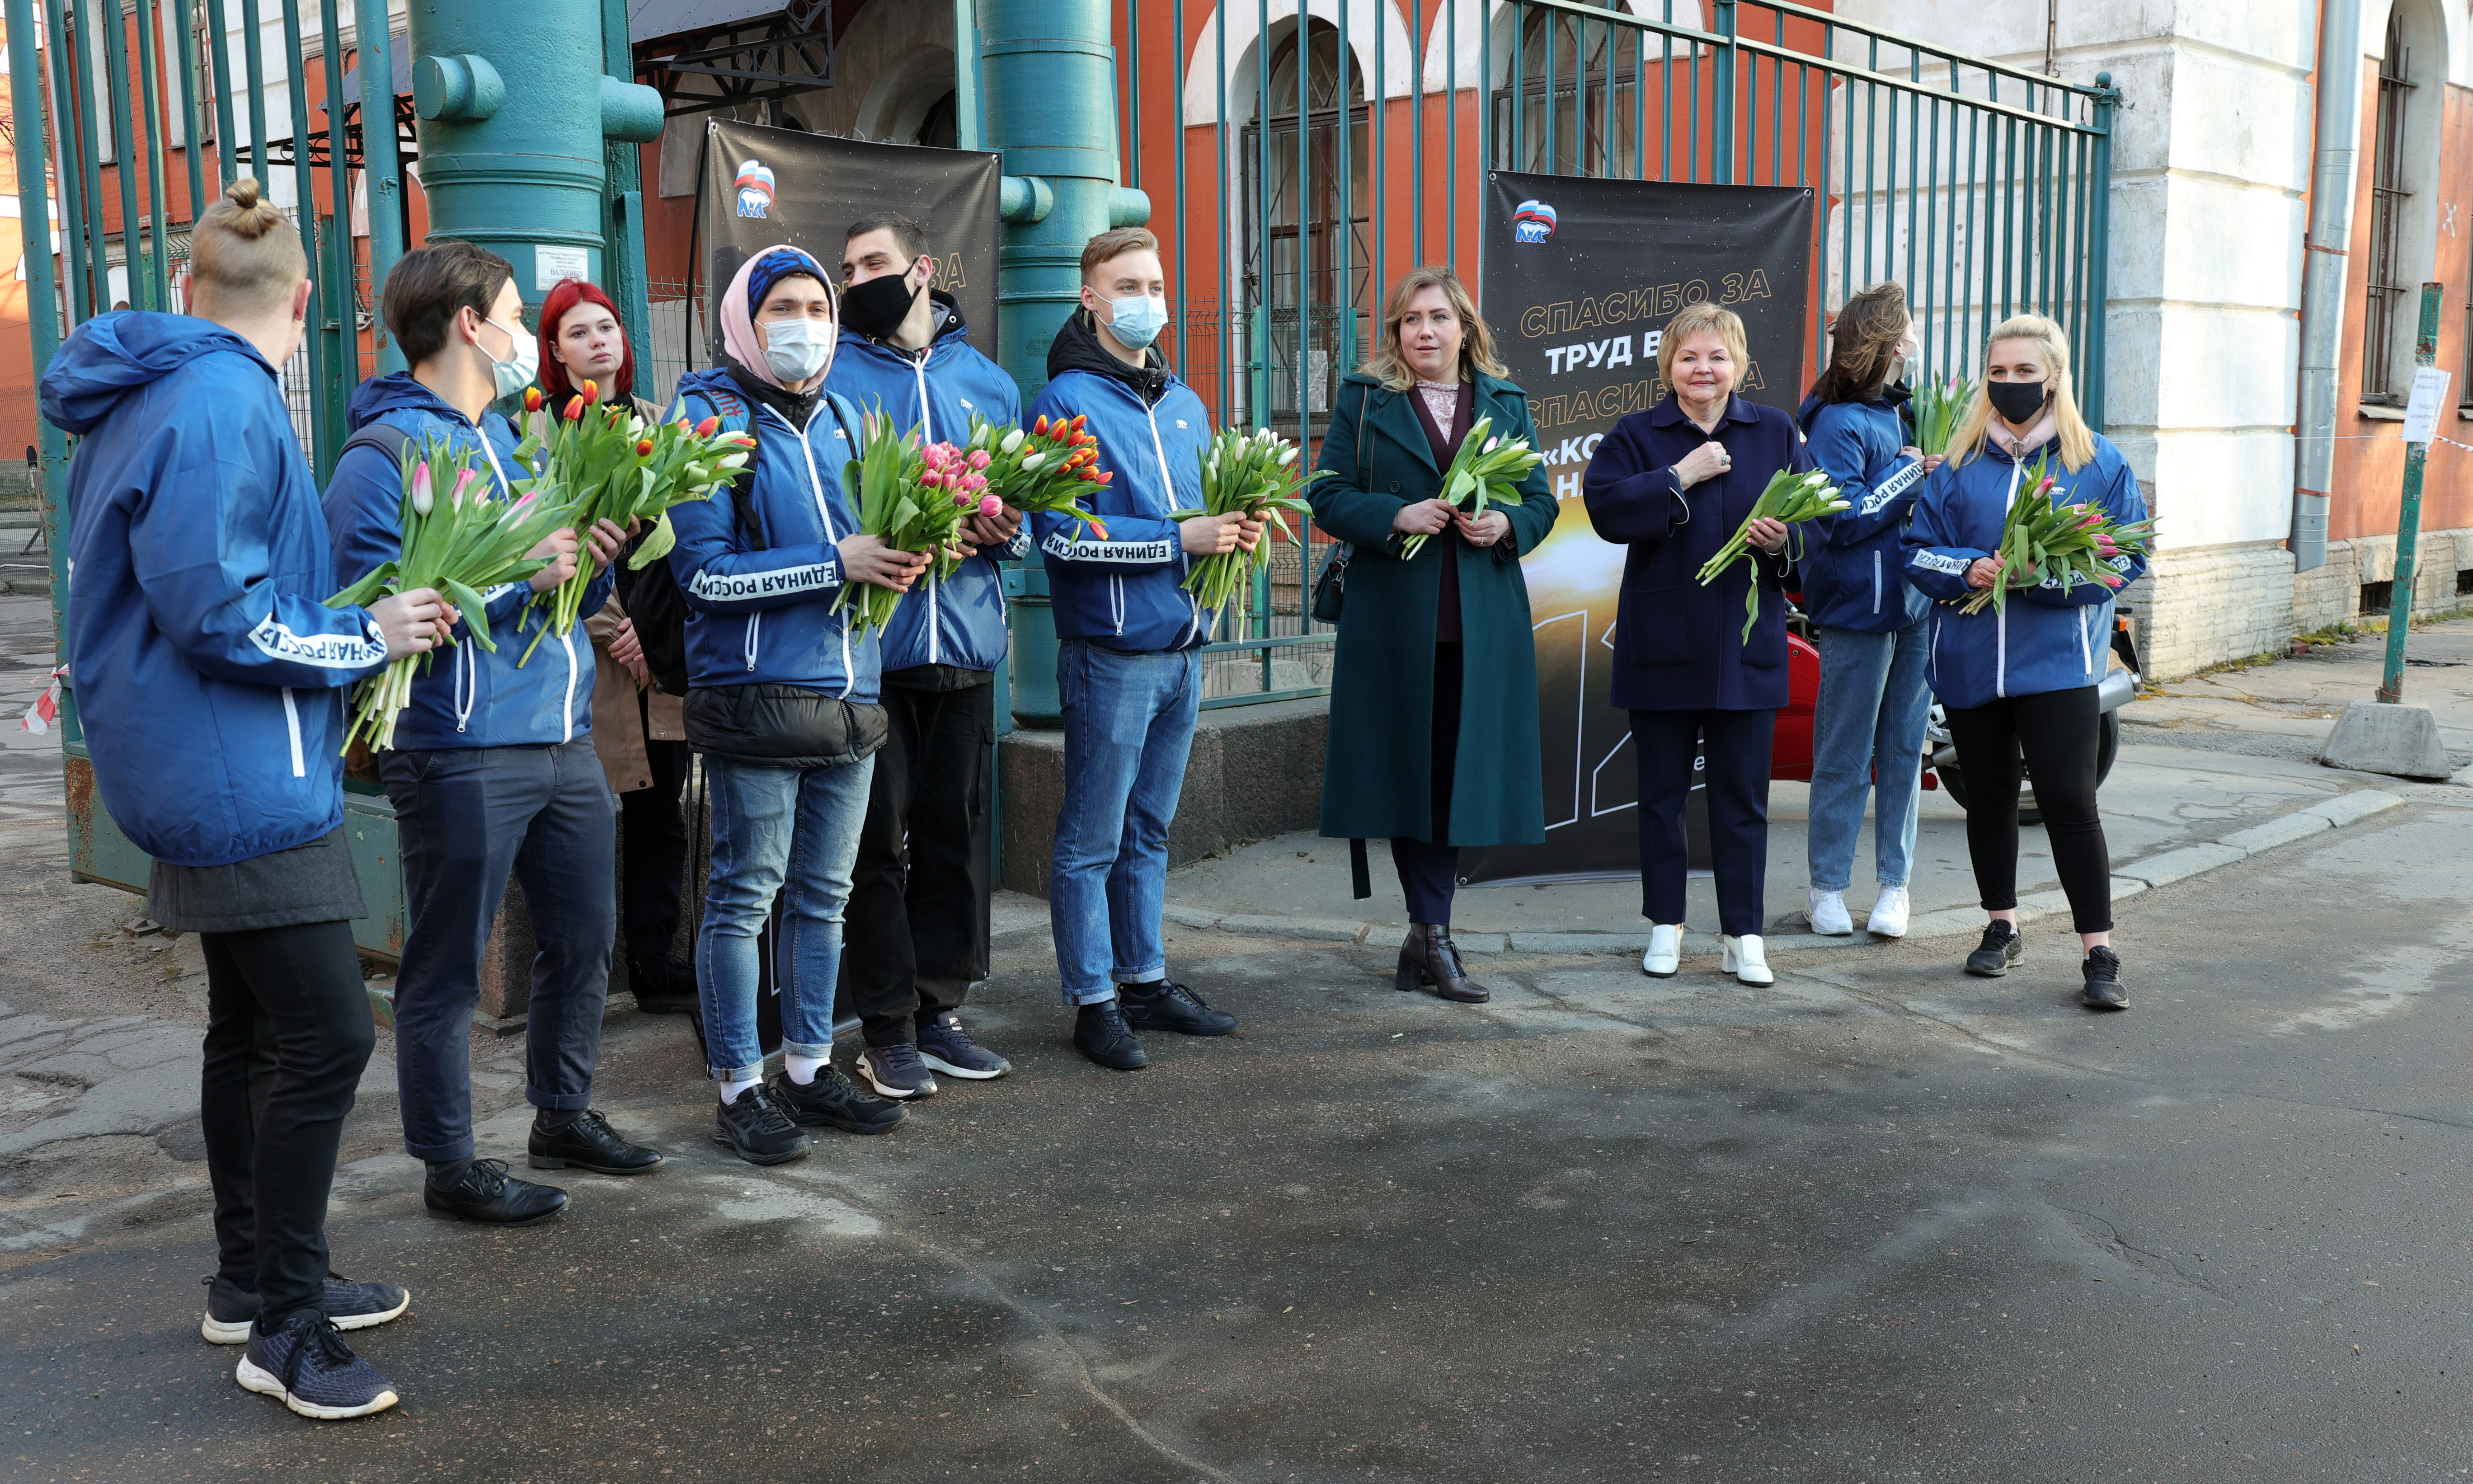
x=767 y=186
x=1581 y=276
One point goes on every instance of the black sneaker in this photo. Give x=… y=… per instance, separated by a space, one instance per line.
x=1100 y=1033
x=230 y=1309
x=2003 y=946
x=309 y=1366
x=757 y=1129
x=485 y=1192
x=896 y=1071
x=2102 y=969
x=946 y=1046
x=1162 y=1006
x=832 y=1102
x=588 y=1142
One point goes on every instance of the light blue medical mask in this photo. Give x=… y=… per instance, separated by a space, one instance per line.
x=1138 y=320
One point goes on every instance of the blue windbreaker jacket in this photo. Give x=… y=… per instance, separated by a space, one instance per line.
x=2047 y=639
x=959 y=620
x=764 y=616
x=1126 y=593
x=467 y=697
x=1855 y=574
x=206 y=662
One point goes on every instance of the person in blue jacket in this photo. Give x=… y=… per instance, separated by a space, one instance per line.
x=1672 y=484
x=208 y=673
x=1868 y=730
x=1128 y=668
x=2020 y=681
x=782 y=701
x=492 y=770
x=919 y=897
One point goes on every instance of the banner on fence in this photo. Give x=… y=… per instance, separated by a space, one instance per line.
x=1580 y=277
x=767 y=186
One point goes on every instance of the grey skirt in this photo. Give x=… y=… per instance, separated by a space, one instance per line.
x=308 y=883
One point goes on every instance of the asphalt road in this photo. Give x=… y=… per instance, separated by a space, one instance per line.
x=1879 y=1223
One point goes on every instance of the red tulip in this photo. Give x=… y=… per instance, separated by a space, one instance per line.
x=1096 y=526
x=532 y=399
x=1078 y=421
x=591 y=392
x=707 y=427
x=1106 y=475
x=1039 y=427
x=644 y=448
x=575 y=410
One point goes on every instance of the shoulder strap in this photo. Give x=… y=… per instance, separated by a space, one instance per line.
x=853 y=422
x=384 y=437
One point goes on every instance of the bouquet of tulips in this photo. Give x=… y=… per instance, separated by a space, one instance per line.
x=605 y=463
x=2075 y=544
x=460 y=546
x=1789 y=500
x=1486 y=470
x=1255 y=474
x=1045 y=466
x=1937 y=408
x=913 y=498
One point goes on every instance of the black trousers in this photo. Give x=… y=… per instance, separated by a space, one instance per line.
x=653 y=843
x=915 y=935
x=1736 y=772
x=1430 y=870
x=271 y=1149
x=2056 y=734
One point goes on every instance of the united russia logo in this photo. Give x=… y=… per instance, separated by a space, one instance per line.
x=1532 y=222
x=755 y=186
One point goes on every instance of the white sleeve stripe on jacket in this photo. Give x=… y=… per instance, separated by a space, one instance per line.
x=326 y=651
x=720 y=587
x=1065 y=549
x=1891 y=489
x=1939 y=563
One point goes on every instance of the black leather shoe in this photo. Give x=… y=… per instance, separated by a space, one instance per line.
x=588 y=1142
x=662 y=986
x=1100 y=1033
x=485 y=1192
x=1162 y=1006
x=2102 y=969
x=834 y=1102
x=1429 y=958
x=756 y=1129
x=2003 y=946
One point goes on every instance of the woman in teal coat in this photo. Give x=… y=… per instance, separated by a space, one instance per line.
x=1421 y=635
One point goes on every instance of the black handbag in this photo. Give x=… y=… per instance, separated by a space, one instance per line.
x=1331 y=584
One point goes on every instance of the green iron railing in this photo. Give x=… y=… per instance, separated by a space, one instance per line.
x=1312 y=154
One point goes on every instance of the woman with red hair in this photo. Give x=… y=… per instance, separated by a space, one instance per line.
x=638 y=731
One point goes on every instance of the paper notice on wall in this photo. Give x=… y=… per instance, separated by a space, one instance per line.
x=2421 y=413
x=551 y=264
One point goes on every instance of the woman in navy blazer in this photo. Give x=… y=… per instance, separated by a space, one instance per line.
x=1672 y=484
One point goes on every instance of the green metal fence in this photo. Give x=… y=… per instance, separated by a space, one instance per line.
x=1308 y=154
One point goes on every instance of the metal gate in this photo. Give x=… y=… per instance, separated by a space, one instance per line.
x=1304 y=153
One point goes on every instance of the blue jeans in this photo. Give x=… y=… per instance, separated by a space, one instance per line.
x=1868 y=737
x=465 y=819
x=1128 y=726
x=772 y=826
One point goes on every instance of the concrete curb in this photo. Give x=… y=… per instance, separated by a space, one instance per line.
x=2179 y=864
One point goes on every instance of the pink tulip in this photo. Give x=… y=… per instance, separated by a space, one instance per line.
x=464 y=482
x=962 y=499
x=979 y=457
x=422 y=491
x=975 y=483
x=933 y=455
x=931 y=479
x=989 y=505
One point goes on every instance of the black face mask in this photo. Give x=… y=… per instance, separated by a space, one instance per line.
x=2016 y=401
x=876 y=308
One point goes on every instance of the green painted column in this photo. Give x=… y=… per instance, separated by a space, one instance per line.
x=516 y=112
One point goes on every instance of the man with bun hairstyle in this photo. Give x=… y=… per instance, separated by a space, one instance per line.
x=210 y=674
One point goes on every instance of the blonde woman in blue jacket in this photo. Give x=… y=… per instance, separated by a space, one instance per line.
x=2020 y=681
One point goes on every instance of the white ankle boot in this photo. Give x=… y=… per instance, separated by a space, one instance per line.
x=1829 y=917
x=1747 y=961
x=1664 y=954
x=1889 y=913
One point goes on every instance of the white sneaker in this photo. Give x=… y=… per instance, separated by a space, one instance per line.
x=1829 y=917
x=1747 y=960
x=1889 y=914
x=1664 y=954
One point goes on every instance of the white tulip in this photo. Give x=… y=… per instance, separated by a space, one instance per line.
x=1012 y=441
x=735 y=461
x=1033 y=461
x=1288 y=455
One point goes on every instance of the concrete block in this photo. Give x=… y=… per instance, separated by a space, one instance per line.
x=2036 y=906
x=1313 y=929
x=1579 y=943
x=2182 y=864
x=2401 y=741
x=2300 y=825
x=1469 y=943
x=2360 y=804
x=1189 y=917
x=2123 y=886
x=1949 y=922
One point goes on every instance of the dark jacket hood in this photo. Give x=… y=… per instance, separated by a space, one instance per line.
x=1077 y=347
x=112 y=355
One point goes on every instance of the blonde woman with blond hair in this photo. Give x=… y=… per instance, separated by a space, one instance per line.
x=2018 y=683
x=1421 y=633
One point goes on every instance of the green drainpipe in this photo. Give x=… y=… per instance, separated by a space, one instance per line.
x=1048 y=71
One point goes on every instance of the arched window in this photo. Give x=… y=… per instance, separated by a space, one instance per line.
x=1574 y=109
x=1307 y=267
x=2388 y=316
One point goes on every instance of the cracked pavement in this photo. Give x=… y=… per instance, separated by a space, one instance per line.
x=1879 y=1222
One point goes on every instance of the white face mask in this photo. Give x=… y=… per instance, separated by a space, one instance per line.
x=795 y=349
x=522 y=362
